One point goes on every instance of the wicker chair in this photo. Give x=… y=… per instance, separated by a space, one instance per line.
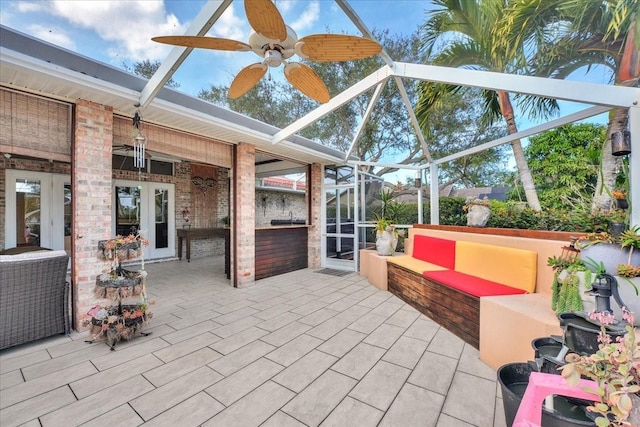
x=34 y=296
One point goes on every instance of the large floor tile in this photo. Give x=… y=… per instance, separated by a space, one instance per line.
x=315 y=402
x=478 y=395
x=174 y=392
x=414 y=406
x=381 y=385
x=253 y=409
x=351 y=412
x=359 y=361
x=244 y=381
x=303 y=372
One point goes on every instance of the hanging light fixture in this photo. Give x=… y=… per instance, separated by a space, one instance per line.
x=621 y=143
x=418 y=179
x=138 y=143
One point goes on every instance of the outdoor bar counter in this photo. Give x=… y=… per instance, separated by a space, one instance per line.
x=280 y=249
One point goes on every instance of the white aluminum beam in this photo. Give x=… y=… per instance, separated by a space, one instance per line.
x=580 y=115
x=365 y=119
x=334 y=103
x=434 y=196
x=208 y=15
x=634 y=165
x=412 y=116
x=353 y=16
x=588 y=93
x=385 y=165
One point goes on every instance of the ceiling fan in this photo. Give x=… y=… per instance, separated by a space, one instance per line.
x=276 y=42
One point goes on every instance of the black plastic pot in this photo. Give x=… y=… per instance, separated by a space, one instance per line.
x=581 y=334
x=547 y=350
x=513 y=379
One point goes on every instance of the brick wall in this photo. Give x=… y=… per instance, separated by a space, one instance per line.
x=278 y=205
x=246 y=212
x=92 y=195
x=314 y=191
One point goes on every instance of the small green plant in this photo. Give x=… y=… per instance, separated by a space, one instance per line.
x=565 y=289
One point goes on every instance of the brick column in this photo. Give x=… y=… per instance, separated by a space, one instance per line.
x=314 y=191
x=91 y=186
x=245 y=212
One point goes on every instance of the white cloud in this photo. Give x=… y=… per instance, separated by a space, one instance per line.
x=230 y=26
x=31 y=6
x=284 y=5
x=53 y=35
x=308 y=17
x=129 y=24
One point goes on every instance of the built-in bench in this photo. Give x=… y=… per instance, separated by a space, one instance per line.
x=445 y=280
x=500 y=322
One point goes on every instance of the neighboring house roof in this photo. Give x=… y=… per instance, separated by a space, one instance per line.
x=283 y=182
x=494 y=193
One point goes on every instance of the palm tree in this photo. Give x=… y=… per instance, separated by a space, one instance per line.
x=566 y=35
x=461 y=34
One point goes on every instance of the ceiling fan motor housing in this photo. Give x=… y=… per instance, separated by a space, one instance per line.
x=260 y=43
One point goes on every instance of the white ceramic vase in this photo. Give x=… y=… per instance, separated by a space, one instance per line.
x=386 y=242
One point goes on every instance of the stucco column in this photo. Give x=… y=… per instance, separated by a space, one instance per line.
x=245 y=213
x=91 y=189
x=314 y=193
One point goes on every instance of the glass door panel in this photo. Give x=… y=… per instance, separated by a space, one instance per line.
x=127 y=210
x=162 y=218
x=38 y=210
x=339 y=241
x=28 y=212
x=146 y=208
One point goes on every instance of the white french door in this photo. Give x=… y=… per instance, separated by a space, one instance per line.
x=147 y=207
x=38 y=210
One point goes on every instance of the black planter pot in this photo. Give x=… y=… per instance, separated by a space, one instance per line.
x=546 y=350
x=581 y=334
x=622 y=203
x=513 y=379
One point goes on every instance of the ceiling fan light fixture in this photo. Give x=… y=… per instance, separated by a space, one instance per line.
x=272 y=58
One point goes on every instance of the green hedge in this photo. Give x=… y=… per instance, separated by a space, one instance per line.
x=514 y=215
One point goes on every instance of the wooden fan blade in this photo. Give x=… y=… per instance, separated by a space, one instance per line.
x=247 y=78
x=336 y=47
x=303 y=78
x=204 y=42
x=265 y=19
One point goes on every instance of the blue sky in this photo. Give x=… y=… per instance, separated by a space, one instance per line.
x=117 y=32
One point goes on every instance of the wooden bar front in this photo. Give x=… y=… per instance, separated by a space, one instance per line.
x=280 y=249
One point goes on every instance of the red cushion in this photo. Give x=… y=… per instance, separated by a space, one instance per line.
x=434 y=250
x=471 y=284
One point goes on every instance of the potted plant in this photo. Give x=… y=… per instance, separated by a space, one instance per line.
x=571 y=279
x=386 y=236
x=620 y=198
x=605 y=248
x=615 y=368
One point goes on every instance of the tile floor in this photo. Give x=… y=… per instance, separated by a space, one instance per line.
x=300 y=349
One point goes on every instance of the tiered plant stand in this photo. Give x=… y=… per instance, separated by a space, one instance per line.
x=128 y=312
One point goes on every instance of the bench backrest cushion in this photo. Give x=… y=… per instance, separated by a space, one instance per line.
x=435 y=250
x=508 y=266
